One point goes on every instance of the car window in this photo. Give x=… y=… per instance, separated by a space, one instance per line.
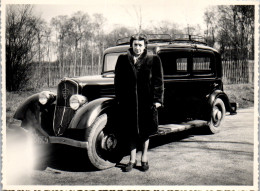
x=175 y=63
x=110 y=61
x=181 y=64
x=203 y=64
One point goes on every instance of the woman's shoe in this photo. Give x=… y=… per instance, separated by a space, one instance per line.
x=130 y=166
x=144 y=166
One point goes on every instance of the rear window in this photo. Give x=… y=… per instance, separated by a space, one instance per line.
x=175 y=63
x=182 y=63
x=203 y=64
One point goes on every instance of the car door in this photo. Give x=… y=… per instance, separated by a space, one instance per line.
x=203 y=80
x=177 y=73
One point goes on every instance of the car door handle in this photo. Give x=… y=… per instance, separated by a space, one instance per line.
x=215 y=84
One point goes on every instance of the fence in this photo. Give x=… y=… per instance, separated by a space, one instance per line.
x=51 y=74
x=239 y=72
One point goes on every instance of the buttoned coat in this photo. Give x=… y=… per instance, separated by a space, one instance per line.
x=138 y=86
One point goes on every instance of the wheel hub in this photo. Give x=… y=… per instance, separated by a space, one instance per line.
x=217 y=114
x=109 y=142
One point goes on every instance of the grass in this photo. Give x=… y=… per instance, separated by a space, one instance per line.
x=13 y=100
x=243 y=94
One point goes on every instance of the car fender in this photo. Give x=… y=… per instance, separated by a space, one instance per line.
x=219 y=94
x=31 y=103
x=86 y=115
x=31 y=112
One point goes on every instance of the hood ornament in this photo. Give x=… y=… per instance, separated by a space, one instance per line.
x=65 y=93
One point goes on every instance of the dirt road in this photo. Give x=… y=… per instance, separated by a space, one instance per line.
x=187 y=158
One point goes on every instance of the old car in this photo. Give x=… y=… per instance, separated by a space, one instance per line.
x=83 y=112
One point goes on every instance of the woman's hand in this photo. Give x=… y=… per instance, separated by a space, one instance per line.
x=157 y=104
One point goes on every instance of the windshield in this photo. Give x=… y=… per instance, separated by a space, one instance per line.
x=110 y=61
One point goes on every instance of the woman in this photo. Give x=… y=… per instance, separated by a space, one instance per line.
x=139 y=92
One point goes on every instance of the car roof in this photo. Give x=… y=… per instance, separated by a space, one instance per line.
x=162 y=46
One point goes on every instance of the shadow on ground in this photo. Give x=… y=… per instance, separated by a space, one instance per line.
x=67 y=158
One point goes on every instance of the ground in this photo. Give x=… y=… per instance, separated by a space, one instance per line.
x=188 y=158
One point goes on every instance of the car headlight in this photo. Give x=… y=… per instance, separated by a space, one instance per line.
x=45 y=96
x=76 y=101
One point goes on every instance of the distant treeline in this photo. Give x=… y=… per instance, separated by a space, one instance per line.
x=77 y=42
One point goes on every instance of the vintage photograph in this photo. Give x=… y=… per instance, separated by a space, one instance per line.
x=123 y=95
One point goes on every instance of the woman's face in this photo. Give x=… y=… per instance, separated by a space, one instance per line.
x=138 y=47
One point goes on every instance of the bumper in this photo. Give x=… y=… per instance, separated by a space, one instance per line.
x=67 y=141
x=43 y=139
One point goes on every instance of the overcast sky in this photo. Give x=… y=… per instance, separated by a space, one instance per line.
x=124 y=12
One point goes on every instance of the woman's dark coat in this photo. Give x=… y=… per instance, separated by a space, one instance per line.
x=138 y=86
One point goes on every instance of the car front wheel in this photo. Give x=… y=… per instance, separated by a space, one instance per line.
x=103 y=145
x=218 y=112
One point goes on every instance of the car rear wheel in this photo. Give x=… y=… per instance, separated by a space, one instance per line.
x=218 y=113
x=103 y=148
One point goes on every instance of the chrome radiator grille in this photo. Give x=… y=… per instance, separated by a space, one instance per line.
x=65 y=90
x=63 y=113
x=63 y=116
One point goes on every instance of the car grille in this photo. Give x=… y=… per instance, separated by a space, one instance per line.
x=63 y=113
x=65 y=90
x=63 y=116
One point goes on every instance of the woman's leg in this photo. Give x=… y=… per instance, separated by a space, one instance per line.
x=132 y=162
x=144 y=157
x=133 y=151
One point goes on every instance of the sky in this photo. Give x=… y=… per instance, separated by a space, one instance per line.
x=124 y=12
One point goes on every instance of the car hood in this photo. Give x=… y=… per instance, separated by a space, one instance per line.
x=95 y=80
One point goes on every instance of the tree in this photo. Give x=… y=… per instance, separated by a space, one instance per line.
x=210 y=20
x=98 y=38
x=21 y=37
x=48 y=44
x=236 y=30
x=61 y=26
x=117 y=33
x=78 y=30
x=245 y=15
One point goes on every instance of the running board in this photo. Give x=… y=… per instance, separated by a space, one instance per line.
x=174 y=128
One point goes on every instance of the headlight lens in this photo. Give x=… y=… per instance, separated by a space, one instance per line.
x=44 y=96
x=76 y=101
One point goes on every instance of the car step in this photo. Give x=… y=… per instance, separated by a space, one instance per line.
x=174 y=128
